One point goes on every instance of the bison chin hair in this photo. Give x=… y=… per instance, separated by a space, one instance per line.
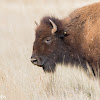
x=49 y=67
x=51 y=61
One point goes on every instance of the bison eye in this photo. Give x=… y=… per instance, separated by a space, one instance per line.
x=48 y=40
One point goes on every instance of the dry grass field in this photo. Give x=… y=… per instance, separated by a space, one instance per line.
x=19 y=78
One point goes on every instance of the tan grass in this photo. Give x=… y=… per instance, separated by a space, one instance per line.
x=19 y=79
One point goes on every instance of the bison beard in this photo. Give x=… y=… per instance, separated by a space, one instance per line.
x=49 y=65
x=73 y=40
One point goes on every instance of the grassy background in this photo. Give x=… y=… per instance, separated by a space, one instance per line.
x=19 y=79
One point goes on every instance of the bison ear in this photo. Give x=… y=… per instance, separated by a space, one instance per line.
x=36 y=23
x=54 y=29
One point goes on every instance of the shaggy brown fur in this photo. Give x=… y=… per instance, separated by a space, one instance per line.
x=81 y=44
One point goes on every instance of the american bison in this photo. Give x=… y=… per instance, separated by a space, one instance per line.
x=74 y=39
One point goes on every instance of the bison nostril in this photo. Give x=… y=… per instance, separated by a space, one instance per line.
x=33 y=60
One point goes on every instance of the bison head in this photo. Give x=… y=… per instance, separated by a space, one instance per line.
x=49 y=46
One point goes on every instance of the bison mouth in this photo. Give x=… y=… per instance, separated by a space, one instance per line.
x=48 y=67
x=47 y=64
x=40 y=65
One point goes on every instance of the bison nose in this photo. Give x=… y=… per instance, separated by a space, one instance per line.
x=36 y=61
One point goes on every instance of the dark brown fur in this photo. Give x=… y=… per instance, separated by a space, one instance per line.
x=80 y=45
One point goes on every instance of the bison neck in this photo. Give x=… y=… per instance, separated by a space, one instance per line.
x=73 y=57
x=75 y=28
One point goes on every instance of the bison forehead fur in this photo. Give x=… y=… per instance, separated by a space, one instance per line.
x=74 y=40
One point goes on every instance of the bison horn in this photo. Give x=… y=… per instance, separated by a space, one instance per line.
x=54 y=29
x=36 y=23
